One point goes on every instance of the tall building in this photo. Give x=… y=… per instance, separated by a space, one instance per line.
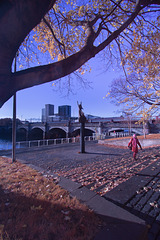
x=49 y=109
x=47 y=112
x=43 y=115
x=64 y=111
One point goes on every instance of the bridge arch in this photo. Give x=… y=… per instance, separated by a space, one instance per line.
x=113 y=131
x=36 y=133
x=56 y=133
x=39 y=127
x=87 y=132
x=116 y=130
x=22 y=134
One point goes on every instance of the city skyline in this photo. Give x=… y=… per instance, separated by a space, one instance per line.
x=48 y=113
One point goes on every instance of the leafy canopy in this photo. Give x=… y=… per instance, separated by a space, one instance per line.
x=71 y=33
x=139 y=89
x=72 y=25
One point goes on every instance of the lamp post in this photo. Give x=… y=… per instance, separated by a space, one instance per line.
x=14 y=121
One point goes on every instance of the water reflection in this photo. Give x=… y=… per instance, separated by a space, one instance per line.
x=5 y=144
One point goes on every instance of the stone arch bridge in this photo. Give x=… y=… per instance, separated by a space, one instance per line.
x=67 y=129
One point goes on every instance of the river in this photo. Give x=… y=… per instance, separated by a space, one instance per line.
x=5 y=144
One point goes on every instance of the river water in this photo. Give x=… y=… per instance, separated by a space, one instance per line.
x=5 y=144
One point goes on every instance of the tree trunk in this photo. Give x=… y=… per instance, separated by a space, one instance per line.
x=17 y=19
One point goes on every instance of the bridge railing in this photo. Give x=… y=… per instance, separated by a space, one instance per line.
x=118 y=134
x=110 y=135
x=47 y=142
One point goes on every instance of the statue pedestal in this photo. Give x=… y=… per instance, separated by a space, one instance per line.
x=82 y=142
x=82 y=121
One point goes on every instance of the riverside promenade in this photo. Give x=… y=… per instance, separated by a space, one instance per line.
x=125 y=192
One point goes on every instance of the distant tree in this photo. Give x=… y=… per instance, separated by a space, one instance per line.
x=5 y=121
x=8 y=121
x=139 y=90
x=72 y=32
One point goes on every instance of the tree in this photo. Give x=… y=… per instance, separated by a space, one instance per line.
x=139 y=90
x=93 y=21
x=5 y=122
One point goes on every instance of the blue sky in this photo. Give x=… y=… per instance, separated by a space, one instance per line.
x=31 y=101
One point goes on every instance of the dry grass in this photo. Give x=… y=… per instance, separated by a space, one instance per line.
x=149 y=136
x=34 y=207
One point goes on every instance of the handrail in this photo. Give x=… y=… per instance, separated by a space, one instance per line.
x=47 y=142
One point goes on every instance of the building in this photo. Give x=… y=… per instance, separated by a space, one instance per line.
x=48 y=115
x=64 y=111
x=43 y=115
x=47 y=112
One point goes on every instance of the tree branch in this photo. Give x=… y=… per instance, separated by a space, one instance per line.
x=56 y=39
x=46 y=73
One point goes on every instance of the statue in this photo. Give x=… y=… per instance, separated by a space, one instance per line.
x=82 y=118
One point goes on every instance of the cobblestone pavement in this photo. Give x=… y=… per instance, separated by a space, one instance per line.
x=104 y=175
x=146 y=205
x=102 y=169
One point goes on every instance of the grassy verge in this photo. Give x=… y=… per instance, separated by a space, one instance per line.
x=148 y=136
x=34 y=207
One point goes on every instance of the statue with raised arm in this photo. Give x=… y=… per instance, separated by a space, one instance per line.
x=82 y=118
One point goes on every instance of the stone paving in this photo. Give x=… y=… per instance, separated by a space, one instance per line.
x=146 y=205
x=109 y=172
x=140 y=195
x=104 y=175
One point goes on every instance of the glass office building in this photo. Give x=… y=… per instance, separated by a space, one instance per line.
x=64 y=111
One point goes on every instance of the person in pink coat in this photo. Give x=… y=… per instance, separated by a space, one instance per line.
x=133 y=143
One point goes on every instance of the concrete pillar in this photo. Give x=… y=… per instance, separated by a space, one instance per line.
x=44 y=135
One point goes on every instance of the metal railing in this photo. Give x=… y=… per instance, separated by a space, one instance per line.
x=119 y=134
x=111 y=135
x=47 y=142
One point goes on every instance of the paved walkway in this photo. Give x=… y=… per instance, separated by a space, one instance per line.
x=140 y=195
x=112 y=173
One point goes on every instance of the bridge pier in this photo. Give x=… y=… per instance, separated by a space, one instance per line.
x=44 y=135
x=67 y=135
x=27 y=135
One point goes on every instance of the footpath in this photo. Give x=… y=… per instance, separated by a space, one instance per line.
x=131 y=210
x=140 y=195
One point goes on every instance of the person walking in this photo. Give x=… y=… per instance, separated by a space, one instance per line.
x=133 y=144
